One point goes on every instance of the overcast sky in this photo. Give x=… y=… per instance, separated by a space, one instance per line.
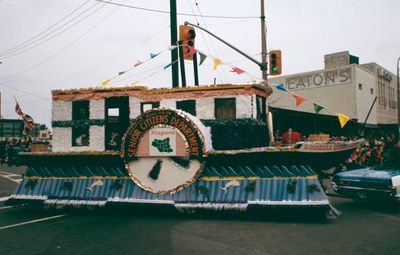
x=63 y=44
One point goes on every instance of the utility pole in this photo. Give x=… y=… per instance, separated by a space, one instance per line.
x=263 y=42
x=174 y=40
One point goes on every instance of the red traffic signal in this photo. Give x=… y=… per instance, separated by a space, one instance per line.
x=187 y=36
x=275 y=62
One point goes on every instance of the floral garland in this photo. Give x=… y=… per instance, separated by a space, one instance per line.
x=78 y=123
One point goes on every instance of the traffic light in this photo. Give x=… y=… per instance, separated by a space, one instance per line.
x=275 y=62
x=187 y=35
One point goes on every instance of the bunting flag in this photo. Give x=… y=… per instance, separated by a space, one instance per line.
x=237 y=70
x=343 y=119
x=170 y=64
x=202 y=58
x=281 y=86
x=105 y=83
x=138 y=63
x=217 y=62
x=153 y=55
x=192 y=51
x=172 y=47
x=317 y=107
x=299 y=99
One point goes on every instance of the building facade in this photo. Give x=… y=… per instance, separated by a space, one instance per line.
x=364 y=92
x=12 y=129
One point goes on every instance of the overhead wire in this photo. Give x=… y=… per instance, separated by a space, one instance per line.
x=23 y=44
x=113 y=56
x=212 y=43
x=178 y=13
x=66 y=47
x=23 y=91
x=55 y=35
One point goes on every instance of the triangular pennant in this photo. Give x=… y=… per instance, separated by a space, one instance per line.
x=138 y=63
x=202 y=58
x=317 y=107
x=192 y=51
x=170 y=64
x=121 y=73
x=217 y=62
x=153 y=55
x=299 y=99
x=105 y=83
x=343 y=119
x=172 y=47
x=237 y=70
x=281 y=86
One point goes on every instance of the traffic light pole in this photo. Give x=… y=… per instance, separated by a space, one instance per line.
x=263 y=42
x=182 y=64
x=262 y=66
x=195 y=71
x=174 y=39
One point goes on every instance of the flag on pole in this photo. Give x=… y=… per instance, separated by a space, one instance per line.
x=18 y=110
x=28 y=120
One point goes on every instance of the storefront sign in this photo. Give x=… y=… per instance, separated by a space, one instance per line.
x=319 y=79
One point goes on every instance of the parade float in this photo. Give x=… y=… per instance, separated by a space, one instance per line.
x=198 y=147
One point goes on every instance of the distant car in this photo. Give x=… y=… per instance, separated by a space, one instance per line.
x=372 y=183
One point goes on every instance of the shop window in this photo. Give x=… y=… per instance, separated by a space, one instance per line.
x=80 y=134
x=145 y=106
x=187 y=106
x=261 y=109
x=225 y=108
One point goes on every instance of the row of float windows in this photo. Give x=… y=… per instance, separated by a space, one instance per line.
x=117 y=116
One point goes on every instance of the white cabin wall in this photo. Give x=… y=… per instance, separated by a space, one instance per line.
x=168 y=103
x=243 y=107
x=61 y=110
x=205 y=108
x=134 y=107
x=96 y=109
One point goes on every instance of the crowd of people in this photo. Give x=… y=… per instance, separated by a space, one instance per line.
x=10 y=148
x=368 y=154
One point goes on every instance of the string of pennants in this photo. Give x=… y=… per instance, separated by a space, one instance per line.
x=343 y=119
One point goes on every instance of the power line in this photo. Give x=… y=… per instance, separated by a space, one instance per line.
x=113 y=56
x=64 y=48
x=179 y=13
x=57 y=34
x=23 y=91
x=21 y=45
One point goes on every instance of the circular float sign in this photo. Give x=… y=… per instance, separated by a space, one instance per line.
x=163 y=151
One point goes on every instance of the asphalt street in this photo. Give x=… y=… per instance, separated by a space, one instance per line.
x=364 y=228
